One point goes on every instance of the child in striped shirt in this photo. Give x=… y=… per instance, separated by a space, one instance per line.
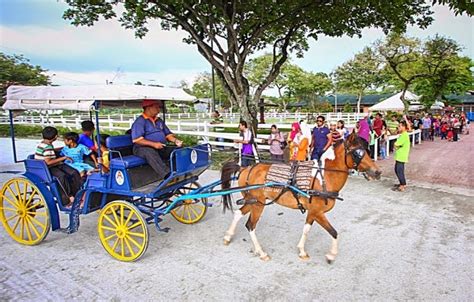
x=69 y=179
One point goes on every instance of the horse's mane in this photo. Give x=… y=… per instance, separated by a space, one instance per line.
x=337 y=143
x=356 y=141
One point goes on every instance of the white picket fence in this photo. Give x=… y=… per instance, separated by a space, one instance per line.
x=204 y=130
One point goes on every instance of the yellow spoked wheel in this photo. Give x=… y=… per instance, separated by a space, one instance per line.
x=123 y=231
x=23 y=211
x=190 y=210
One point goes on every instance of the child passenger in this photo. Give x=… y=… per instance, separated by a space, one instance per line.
x=85 y=138
x=104 y=154
x=76 y=153
x=69 y=179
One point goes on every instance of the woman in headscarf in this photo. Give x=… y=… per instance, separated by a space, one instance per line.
x=299 y=144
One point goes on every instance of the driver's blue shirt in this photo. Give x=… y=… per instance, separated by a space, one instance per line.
x=150 y=129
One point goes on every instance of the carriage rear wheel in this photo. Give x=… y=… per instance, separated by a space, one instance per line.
x=24 y=212
x=190 y=210
x=123 y=231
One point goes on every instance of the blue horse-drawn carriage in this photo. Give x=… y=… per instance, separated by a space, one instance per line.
x=129 y=196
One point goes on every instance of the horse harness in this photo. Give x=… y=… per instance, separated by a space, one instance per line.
x=294 y=179
x=300 y=176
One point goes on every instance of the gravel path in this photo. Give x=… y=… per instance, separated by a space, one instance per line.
x=417 y=245
x=393 y=246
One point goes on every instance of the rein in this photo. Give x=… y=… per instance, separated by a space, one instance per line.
x=356 y=153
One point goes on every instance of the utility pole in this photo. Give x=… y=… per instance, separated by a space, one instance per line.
x=213 y=107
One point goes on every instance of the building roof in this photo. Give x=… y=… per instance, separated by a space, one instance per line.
x=372 y=99
x=461 y=99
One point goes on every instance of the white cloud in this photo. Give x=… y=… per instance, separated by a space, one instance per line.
x=166 y=78
x=107 y=45
x=67 y=40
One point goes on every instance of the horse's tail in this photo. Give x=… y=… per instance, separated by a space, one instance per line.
x=228 y=170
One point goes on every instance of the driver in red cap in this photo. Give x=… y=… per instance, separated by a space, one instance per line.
x=150 y=134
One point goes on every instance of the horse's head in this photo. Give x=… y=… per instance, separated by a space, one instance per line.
x=357 y=157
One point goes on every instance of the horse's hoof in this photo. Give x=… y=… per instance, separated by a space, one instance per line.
x=330 y=258
x=265 y=258
x=304 y=257
x=226 y=242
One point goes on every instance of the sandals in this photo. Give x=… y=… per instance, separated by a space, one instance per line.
x=398 y=189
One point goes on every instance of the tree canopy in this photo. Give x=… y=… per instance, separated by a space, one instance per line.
x=432 y=68
x=226 y=33
x=16 y=70
x=359 y=74
x=202 y=88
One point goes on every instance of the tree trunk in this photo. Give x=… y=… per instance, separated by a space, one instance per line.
x=248 y=114
x=406 y=105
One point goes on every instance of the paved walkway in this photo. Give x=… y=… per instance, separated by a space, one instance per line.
x=439 y=162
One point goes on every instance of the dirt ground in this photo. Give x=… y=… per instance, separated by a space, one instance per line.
x=417 y=245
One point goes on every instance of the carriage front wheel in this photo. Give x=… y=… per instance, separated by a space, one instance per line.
x=24 y=212
x=123 y=231
x=190 y=210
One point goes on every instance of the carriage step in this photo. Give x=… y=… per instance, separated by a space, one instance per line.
x=243 y=201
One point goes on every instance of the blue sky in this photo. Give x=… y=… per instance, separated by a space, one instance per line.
x=82 y=55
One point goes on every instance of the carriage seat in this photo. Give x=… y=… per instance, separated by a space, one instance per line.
x=123 y=144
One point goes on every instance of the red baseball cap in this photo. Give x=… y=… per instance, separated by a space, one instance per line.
x=148 y=103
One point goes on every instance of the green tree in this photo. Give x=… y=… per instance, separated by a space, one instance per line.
x=347 y=107
x=448 y=72
x=309 y=86
x=359 y=74
x=16 y=70
x=227 y=33
x=408 y=61
x=257 y=69
x=456 y=78
x=403 y=61
x=202 y=88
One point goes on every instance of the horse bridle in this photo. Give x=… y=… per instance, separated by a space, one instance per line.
x=357 y=155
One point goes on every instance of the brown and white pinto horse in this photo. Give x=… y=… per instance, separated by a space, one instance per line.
x=348 y=155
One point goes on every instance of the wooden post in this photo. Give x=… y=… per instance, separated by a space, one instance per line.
x=388 y=145
x=376 y=149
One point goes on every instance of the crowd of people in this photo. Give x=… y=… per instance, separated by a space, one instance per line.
x=79 y=157
x=309 y=143
x=302 y=143
x=448 y=126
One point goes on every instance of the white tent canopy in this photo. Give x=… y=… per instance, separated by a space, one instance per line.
x=438 y=105
x=82 y=98
x=394 y=103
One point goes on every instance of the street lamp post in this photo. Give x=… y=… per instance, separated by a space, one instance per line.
x=335 y=100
